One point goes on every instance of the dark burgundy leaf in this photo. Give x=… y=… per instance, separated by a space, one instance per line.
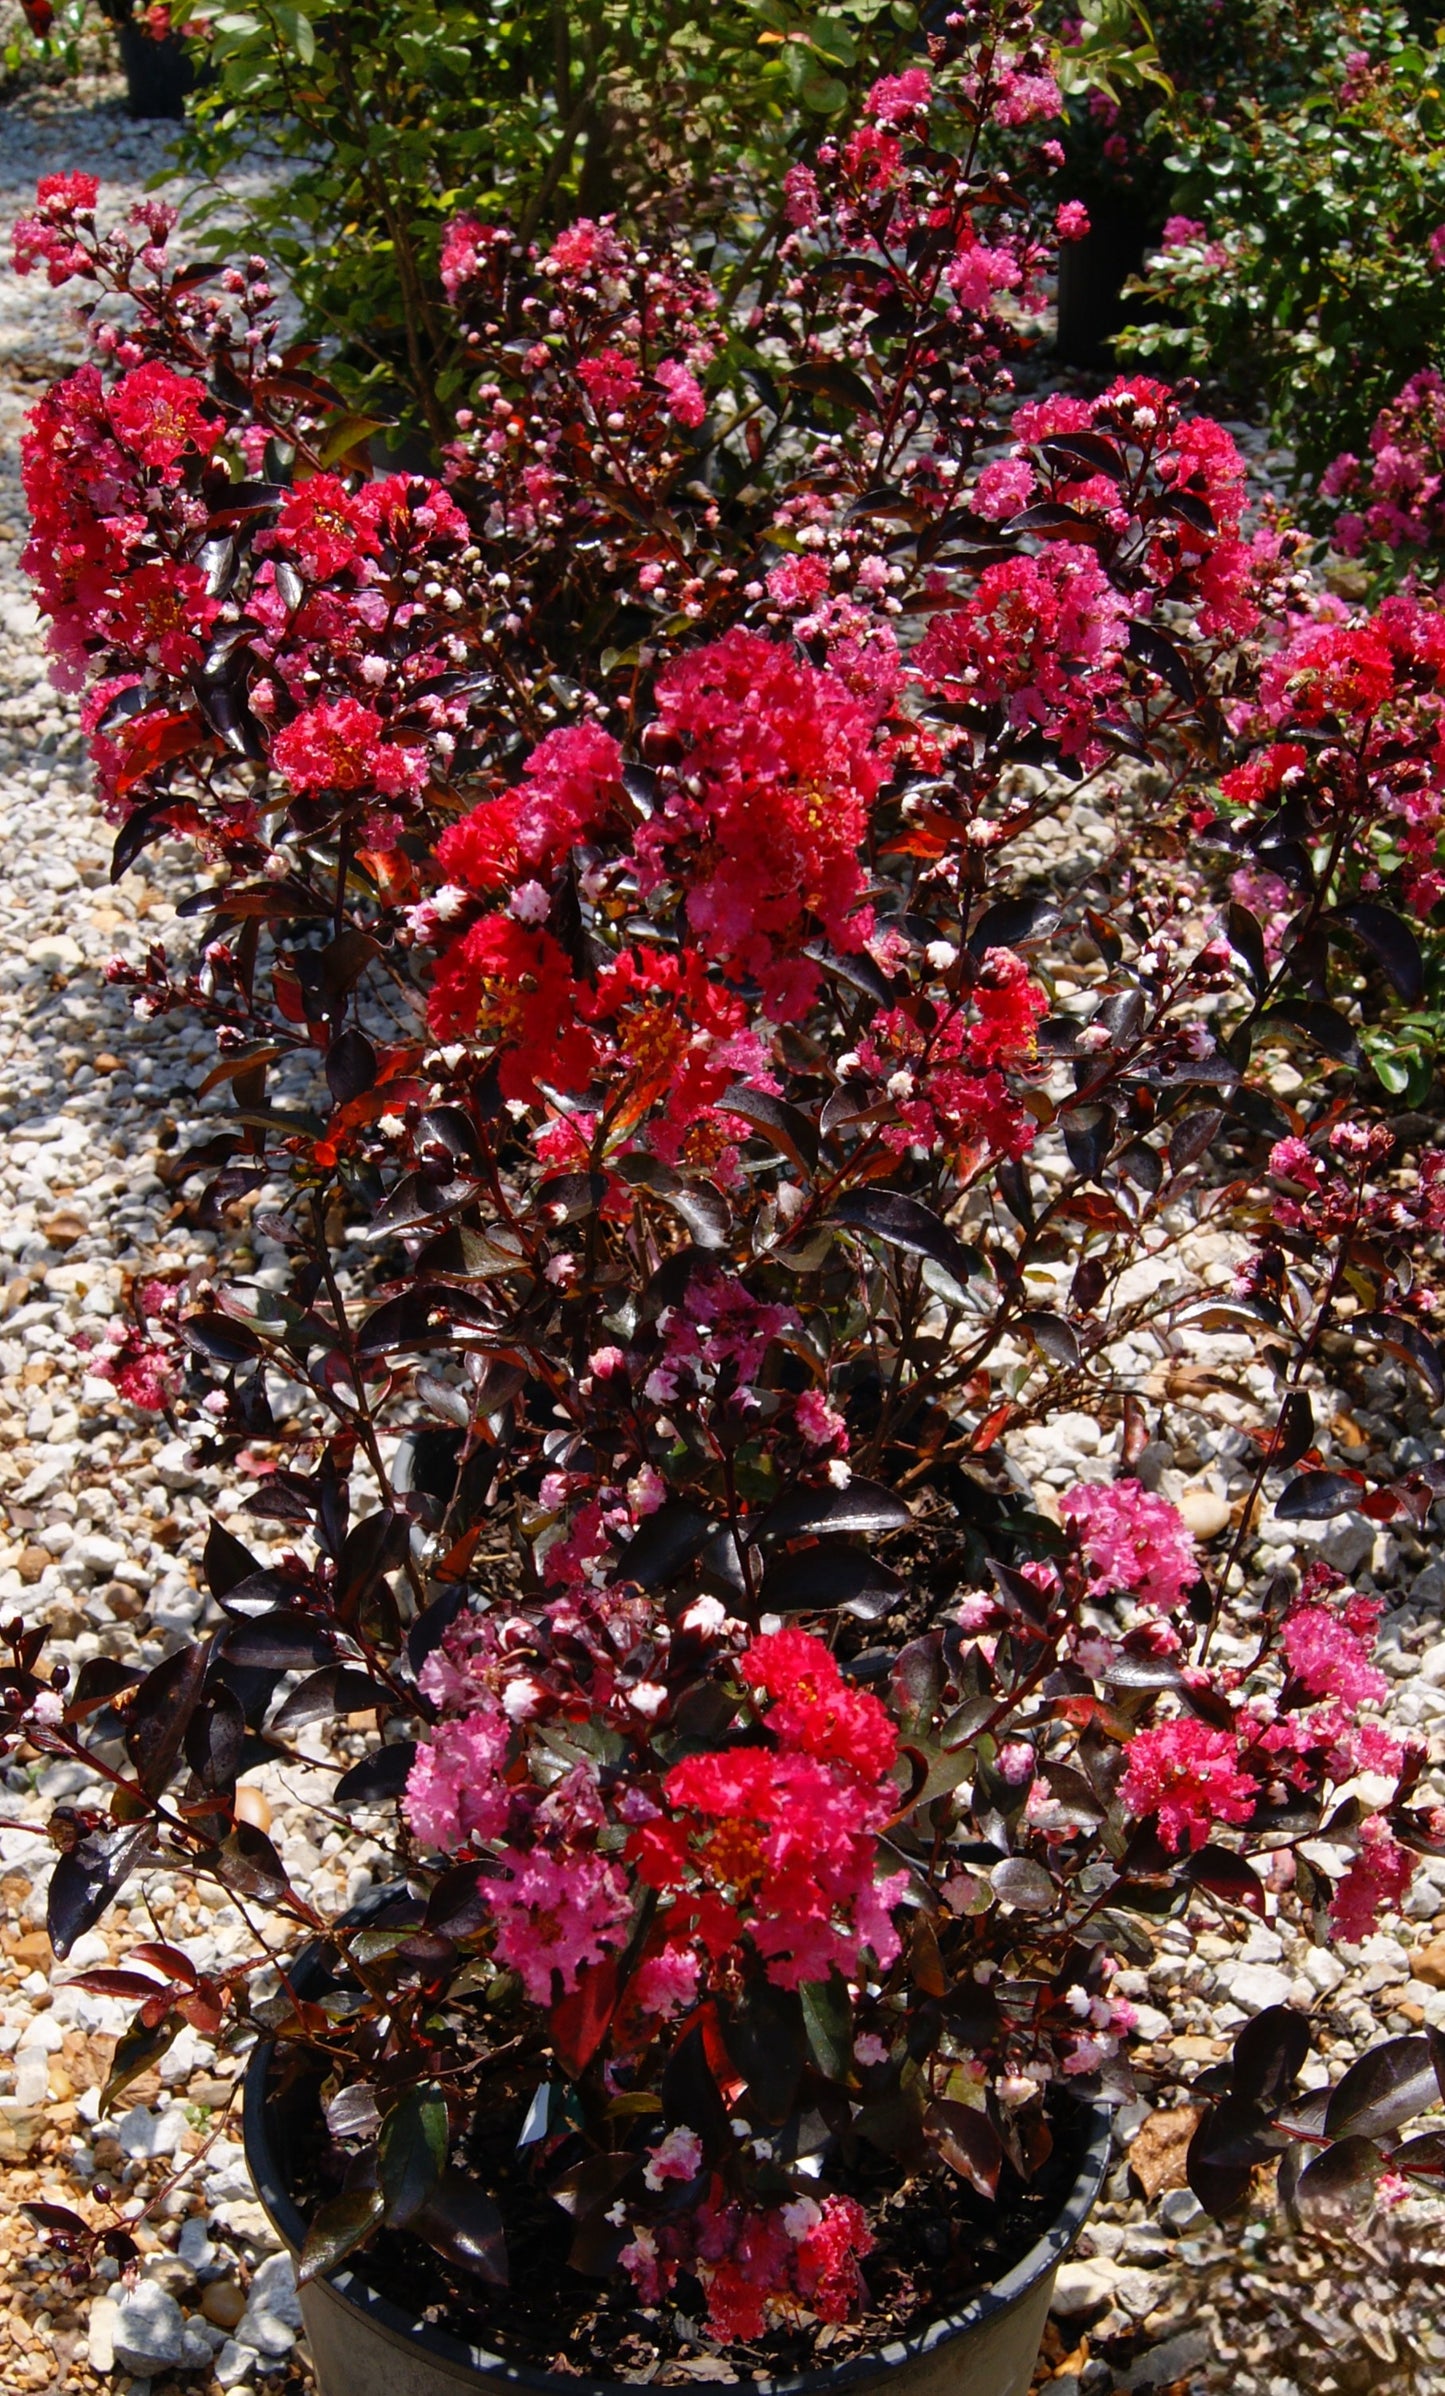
x=1296 y=1430
x=87 y=1876
x=373 y=1548
x=336 y=1689
x=248 y=1863
x=1143 y=1672
x=1192 y=1136
x=968 y=2143
x=822 y=1577
x=699 y=1204
x=137 y=2050
x=1341 y=2180
x=457 y=1906
x=1022 y=1595
x=220 y=1338
x=279 y=1641
x=1012 y=923
x=216 y=1738
x=1325 y=1026
x=1407 y=1341
x=902 y=1222
x=1391 y=942
x=665 y=1545
x=1164 y=658
x=1088 y=1137
x=830 y=379
x=159 y=1713
x=864 y=1507
x=568 y=1197
x=1141 y=1164
x=1269 y=2054
x=352 y=2113
x=828 y=2025
x=1246 y=938
x=263 y=1592
x=585 y=2188
x=1054 y=1338
x=1013 y=1187
x=858 y=970
x=58 y=2219
x=1226 y=1875
x=377 y=1777
x=1025 y=1885
x=1068 y=450
x=690 y=2095
x=1384 y=2089
x=350 y=1066
x=1232 y=2138
x=1051 y=518
x=1314 y=1497
x=766 y=2042
x=431 y=1626
x=1190 y=509
x=99 y=1679
x=786 y=1126
x=462 y=2222
x=226 y=1562
x=337 y=2229
x=1425 y=2154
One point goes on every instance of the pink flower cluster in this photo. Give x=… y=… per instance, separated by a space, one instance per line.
x=1137 y=1544
x=1187 y=1777
x=1398 y=494
x=756 y=2263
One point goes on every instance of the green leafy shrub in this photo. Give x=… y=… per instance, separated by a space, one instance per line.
x=539 y=110
x=1304 y=274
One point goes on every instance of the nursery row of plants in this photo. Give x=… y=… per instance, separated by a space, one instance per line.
x=626 y=676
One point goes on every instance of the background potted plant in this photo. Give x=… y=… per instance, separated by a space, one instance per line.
x=705 y=1185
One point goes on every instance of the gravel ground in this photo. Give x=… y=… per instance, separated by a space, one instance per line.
x=101 y=1525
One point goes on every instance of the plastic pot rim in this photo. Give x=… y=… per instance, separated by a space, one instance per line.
x=998 y=2298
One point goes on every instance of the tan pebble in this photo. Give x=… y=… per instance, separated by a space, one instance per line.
x=253 y=1806
x=223 y=2304
x=207 y=2089
x=1205 y=1512
x=106 y=1063
x=64 y=1229
x=32 y=1561
x=1428 y=1963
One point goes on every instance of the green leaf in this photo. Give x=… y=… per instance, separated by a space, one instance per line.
x=411 y=2152
x=828 y=2022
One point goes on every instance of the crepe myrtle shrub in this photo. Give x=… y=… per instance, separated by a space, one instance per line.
x=621 y=822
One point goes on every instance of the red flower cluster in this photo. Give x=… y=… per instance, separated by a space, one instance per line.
x=780 y=1842
x=764 y=814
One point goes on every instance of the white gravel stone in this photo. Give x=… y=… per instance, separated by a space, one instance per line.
x=1255 y=1985
x=273 y=2308
x=235 y=2364
x=150 y=2331
x=100 y=2334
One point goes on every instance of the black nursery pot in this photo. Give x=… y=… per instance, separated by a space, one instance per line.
x=363 y=2345
x=1092 y=275
x=158 y=74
